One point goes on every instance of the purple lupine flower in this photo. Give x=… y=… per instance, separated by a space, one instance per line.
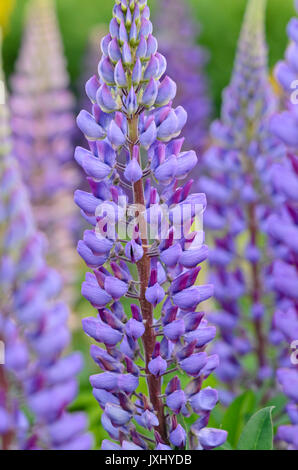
x=133 y=134
x=238 y=189
x=43 y=125
x=33 y=326
x=283 y=230
x=186 y=62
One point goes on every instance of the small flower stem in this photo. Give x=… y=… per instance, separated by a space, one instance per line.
x=146 y=438
x=143 y=266
x=170 y=371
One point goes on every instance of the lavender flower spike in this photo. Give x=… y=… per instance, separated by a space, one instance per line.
x=149 y=231
x=283 y=229
x=43 y=125
x=239 y=194
x=33 y=326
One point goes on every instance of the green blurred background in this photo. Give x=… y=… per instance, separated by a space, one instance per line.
x=220 y=21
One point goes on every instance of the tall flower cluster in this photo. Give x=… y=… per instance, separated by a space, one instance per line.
x=283 y=228
x=239 y=197
x=133 y=137
x=186 y=62
x=33 y=327
x=43 y=125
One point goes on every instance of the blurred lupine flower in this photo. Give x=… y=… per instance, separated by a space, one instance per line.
x=186 y=62
x=33 y=327
x=239 y=195
x=91 y=58
x=43 y=124
x=133 y=134
x=89 y=67
x=283 y=228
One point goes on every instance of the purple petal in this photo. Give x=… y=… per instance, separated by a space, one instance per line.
x=211 y=438
x=166 y=92
x=115 y=288
x=101 y=332
x=192 y=365
x=155 y=294
x=133 y=171
x=205 y=400
x=178 y=436
x=157 y=366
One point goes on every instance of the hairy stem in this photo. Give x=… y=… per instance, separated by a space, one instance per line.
x=257 y=288
x=8 y=437
x=143 y=266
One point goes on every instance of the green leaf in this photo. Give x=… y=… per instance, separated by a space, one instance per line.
x=258 y=432
x=236 y=416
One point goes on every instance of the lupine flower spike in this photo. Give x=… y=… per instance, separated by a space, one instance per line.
x=134 y=140
x=43 y=124
x=33 y=327
x=239 y=197
x=186 y=62
x=283 y=228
